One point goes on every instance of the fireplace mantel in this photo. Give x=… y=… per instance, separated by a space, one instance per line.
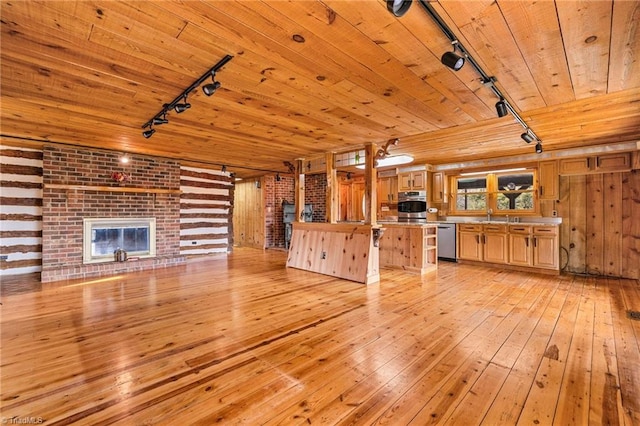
x=112 y=188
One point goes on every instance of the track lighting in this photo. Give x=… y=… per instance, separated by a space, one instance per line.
x=158 y=120
x=278 y=178
x=180 y=104
x=455 y=62
x=539 y=148
x=501 y=108
x=452 y=60
x=183 y=106
x=398 y=7
x=210 y=89
x=147 y=133
x=526 y=136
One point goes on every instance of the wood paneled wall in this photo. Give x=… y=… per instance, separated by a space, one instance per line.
x=600 y=231
x=206 y=206
x=20 y=211
x=249 y=221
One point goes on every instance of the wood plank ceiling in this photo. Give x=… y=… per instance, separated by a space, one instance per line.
x=308 y=77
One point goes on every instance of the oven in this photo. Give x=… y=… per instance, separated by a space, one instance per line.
x=412 y=206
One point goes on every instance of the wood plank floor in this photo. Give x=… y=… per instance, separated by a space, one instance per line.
x=243 y=340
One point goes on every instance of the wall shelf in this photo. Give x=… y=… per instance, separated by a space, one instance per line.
x=113 y=189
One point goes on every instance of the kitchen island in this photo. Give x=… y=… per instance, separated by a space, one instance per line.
x=409 y=246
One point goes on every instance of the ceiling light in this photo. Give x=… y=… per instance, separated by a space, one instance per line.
x=158 y=120
x=210 y=89
x=539 y=148
x=182 y=107
x=452 y=60
x=124 y=159
x=501 y=108
x=527 y=137
x=393 y=160
x=147 y=133
x=398 y=7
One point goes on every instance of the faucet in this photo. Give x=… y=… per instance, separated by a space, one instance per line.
x=489 y=213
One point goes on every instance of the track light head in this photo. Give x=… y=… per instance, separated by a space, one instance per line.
x=159 y=120
x=210 y=89
x=539 y=148
x=278 y=178
x=148 y=133
x=527 y=137
x=183 y=106
x=452 y=60
x=501 y=108
x=398 y=7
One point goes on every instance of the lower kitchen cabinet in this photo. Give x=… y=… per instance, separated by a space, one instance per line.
x=411 y=247
x=533 y=246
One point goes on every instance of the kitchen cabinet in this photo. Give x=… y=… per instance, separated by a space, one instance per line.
x=549 y=180
x=387 y=196
x=469 y=242
x=495 y=243
x=438 y=188
x=617 y=162
x=533 y=246
x=545 y=247
x=412 y=181
x=487 y=243
x=520 y=243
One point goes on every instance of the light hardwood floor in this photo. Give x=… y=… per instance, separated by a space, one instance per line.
x=243 y=340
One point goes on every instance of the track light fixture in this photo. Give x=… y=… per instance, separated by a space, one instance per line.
x=398 y=7
x=501 y=108
x=450 y=59
x=159 y=120
x=210 y=89
x=148 y=133
x=539 y=148
x=526 y=136
x=278 y=178
x=180 y=104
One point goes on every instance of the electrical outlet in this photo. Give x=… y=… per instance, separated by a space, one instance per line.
x=193 y=243
x=324 y=255
x=4 y=258
x=554 y=213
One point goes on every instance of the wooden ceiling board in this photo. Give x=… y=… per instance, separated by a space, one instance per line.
x=586 y=31
x=534 y=26
x=624 y=60
x=308 y=77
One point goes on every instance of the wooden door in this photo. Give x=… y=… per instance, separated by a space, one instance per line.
x=437 y=187
x=404 y=182
x=419 y=181
x=613 y=162
x=545 y=251
x=575 y=166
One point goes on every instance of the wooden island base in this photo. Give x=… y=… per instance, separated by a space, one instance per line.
x=412 y=247
x=348 y=251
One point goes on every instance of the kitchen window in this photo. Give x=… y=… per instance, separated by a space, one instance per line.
x=504 y=192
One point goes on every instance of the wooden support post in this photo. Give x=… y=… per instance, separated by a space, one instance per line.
x=299 y=191
x=332 y=190
x=370 y=186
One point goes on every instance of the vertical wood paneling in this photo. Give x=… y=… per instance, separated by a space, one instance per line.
x=20 y=211
x=595 y=225
x=249 y=214
x=578 y=211
x=612 y=216
x=631 y=224
x=204 y=211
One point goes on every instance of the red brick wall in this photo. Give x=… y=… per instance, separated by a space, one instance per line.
x=275 y=193
x=64 y=209
x=316 y=195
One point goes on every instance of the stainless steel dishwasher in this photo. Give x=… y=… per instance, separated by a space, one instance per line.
x=447 y=241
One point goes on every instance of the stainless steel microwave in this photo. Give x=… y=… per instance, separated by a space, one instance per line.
x=412 y=206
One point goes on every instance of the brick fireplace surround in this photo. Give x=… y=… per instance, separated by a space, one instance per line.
x=64 y=208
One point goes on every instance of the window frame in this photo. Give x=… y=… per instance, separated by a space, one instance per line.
x=493 y=191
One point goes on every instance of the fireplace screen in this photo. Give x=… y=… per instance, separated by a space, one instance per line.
x=104 y=236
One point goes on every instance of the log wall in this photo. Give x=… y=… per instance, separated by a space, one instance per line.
x=20 y=211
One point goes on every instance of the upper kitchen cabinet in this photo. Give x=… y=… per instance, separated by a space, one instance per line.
x=438 y=187
x=549 y=181
x=412 y=181
x=618 y=162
